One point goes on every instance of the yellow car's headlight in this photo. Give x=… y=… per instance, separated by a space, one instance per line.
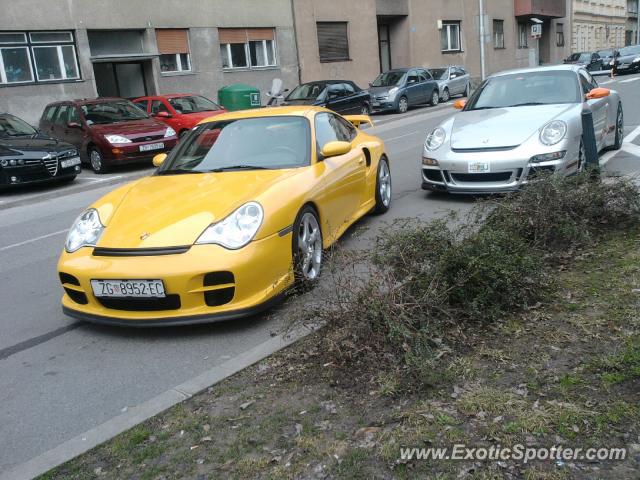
x=237 y=230
x=85 y=232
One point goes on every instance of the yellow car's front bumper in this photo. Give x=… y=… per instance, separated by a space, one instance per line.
x=203 y=284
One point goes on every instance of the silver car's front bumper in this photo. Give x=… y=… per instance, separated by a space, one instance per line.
x=508 y=169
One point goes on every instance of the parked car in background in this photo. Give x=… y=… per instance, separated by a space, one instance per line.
x=181 y=111
x=342 y=96
x=401 y=88
x=589 y=60
x=452 y=80
x=29 y=156
x=107 y=131
x=629 y=59
x=519 y=124
x=607 y=57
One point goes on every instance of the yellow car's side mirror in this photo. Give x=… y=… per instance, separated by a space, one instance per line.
x=333 y=149
x=159 y=159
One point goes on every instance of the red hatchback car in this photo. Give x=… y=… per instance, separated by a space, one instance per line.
x=107 y=131
x=181 y=111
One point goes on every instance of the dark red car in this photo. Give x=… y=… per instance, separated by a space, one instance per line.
x=107 y=131
x=181 y=111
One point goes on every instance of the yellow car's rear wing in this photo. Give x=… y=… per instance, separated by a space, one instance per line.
x=358 y=120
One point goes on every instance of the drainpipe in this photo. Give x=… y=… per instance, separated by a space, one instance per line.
x=638 y=18
x=295 y=41
x=483 y=72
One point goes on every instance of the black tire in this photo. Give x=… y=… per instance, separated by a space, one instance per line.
x=365 y=109
x=302 y=273
x=435 y=98
x=446 y=96
x=403 y=105
x=619 y=128
x=383 y=198
x=97 y=161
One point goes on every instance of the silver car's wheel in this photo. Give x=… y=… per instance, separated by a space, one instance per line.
x=383 y=187
x=435 y=98
x=445 y=95
x=403 y=105
x=307 y=246
x=581 y=158
x=619 y=129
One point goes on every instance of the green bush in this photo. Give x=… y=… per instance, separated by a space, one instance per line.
x=388 y=308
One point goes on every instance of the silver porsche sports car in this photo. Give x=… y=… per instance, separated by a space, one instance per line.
x=519 y=123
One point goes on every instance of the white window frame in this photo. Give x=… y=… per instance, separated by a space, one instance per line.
x=24 y=41
x=498 y=37
x=181 y=68
x=3 y=75
x=31 y=40
x=247 y=52
x=63 y=70
x=524 y=30
x=448 y=27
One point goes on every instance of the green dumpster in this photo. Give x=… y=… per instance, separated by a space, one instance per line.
x=239 y=97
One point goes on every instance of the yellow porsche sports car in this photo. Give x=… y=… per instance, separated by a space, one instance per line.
x=238 y=212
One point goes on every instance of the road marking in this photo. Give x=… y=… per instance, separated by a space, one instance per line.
x=630 y=80
x=631 y=148
x=607 y=82
x=632 y=136
x=403 y=136
x=32 y=240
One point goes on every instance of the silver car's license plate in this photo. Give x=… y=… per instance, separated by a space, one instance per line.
x=479 y=167
x=128 y=288
x=151 y=146
x=70 y=162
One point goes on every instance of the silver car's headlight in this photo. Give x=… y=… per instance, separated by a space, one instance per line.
x=435 y=139
x=237 y=229
x=553 y=132
x=85 y=231
x=115 y=139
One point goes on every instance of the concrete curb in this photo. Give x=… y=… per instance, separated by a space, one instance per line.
x=139 y=413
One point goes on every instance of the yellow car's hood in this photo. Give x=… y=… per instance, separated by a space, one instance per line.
x=172 y=210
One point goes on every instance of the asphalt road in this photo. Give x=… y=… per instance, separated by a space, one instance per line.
x=59 y=377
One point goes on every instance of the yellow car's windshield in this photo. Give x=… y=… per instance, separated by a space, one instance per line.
x=249 y=143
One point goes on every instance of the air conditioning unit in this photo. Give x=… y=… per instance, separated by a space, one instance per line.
x=439 y=24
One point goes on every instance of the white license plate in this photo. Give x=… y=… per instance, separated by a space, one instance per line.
x=376 y=104
x=151 y=146
x=70 y=162
x=479 y=167
x=622 y=67
x=128 y=288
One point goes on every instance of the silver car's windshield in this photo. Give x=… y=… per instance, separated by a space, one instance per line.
x=440 y=73
x=388 y=79
x=526 y=89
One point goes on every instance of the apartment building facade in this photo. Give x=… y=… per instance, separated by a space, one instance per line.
x=79 y=49
x=598 y=24
x=62 y=49
x=358 y=40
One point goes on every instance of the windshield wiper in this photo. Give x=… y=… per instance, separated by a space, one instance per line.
x=238 y=167
x=526 y=104
x=178 y=171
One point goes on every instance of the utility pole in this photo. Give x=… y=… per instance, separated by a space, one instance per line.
x=483 y=71
x=638 y=18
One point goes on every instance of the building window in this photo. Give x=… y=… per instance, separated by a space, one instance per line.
x=498 y=34
x=559 y=35
x=173 y=47
x=27 y=57
x=333 y=41
x=523 y=35
x=450 y=37
x=247 y=47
